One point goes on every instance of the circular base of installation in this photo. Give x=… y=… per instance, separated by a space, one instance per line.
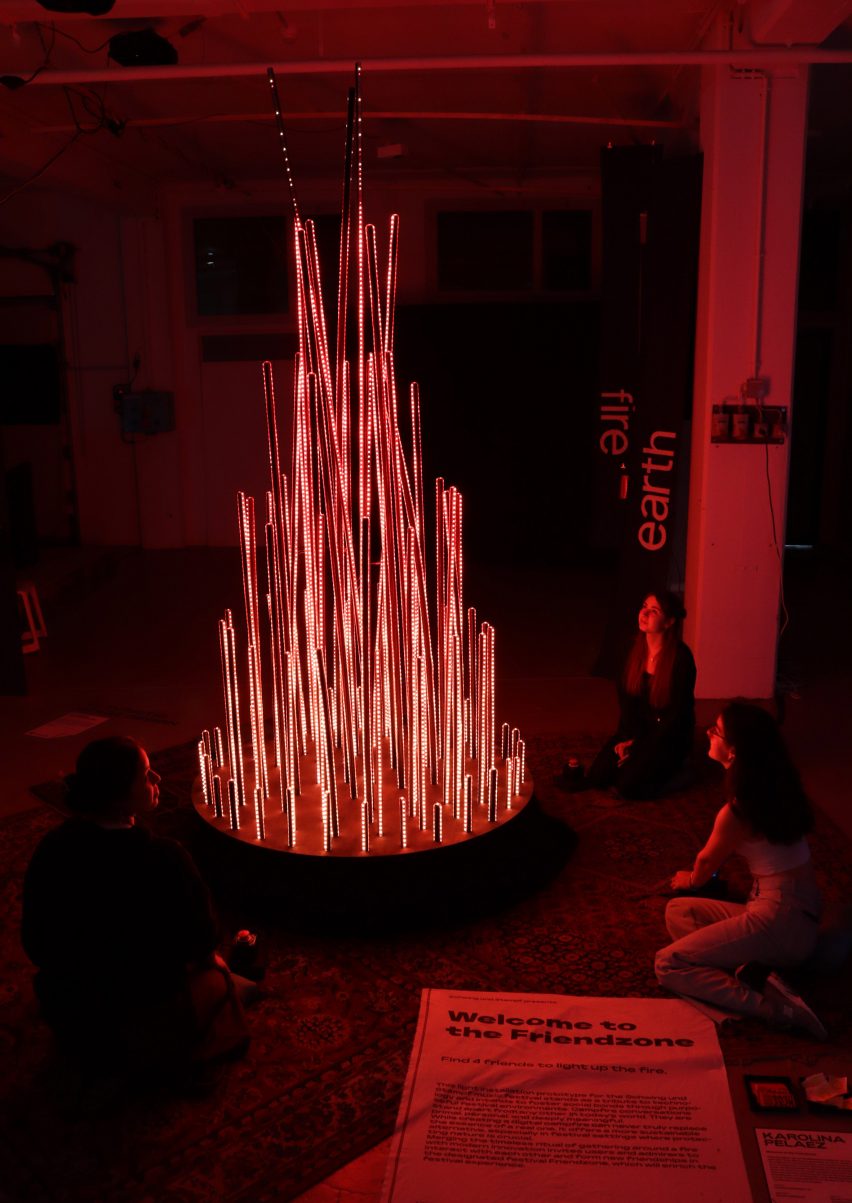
x=389 y=886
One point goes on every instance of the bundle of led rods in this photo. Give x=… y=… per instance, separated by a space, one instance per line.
x=371 y=726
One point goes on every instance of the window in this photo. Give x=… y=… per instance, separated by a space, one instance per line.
x=240 y=265
x=485 y=251
x=533 y=251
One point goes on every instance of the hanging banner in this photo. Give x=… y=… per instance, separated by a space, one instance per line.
x=553 y=1097
x=651 y=211
x=627 y=175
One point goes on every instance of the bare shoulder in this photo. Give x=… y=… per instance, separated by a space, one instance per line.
x=729 y=823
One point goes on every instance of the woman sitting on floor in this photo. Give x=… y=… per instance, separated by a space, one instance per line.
x=121 y=928
x=766 y=818
x=657 y=703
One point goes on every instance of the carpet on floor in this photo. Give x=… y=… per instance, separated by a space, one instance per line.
x=331 y=1039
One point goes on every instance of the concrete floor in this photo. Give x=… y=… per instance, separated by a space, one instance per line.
x=132 y=637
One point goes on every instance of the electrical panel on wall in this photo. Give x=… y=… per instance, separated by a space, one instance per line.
x=147 y=412
x=749 y=424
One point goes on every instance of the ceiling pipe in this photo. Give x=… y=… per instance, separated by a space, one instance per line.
x=800 y=56
x=391 y=115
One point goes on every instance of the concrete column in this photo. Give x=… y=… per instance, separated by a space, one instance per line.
x=753 y=128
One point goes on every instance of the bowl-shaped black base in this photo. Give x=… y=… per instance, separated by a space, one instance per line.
x=443 y=884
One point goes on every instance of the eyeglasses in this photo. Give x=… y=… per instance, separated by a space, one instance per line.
x=714 y=730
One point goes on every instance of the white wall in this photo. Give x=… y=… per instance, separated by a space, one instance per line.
x=93 y=316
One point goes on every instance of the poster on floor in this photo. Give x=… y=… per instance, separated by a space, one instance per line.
x=553 y=1097
x=806 y=1167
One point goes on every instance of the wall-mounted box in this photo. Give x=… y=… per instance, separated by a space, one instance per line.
x=748 y=424
x=147 y=412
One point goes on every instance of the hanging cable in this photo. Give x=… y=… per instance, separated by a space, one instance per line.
x=37 y=174
x=70 y=37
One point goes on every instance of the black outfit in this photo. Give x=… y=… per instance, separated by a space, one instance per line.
x=112 y=918
x=662 y=739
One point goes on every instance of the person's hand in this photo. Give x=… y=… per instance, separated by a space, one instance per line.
x=622 y=750
x=682 y=880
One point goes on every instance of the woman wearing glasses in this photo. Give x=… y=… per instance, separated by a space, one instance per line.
x=657 y=706
x=765 y=818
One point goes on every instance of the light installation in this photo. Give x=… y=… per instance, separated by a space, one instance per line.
x=359 y=701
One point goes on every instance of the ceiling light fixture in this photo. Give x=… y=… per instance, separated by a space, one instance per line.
x=95 y=8
x=142 y=48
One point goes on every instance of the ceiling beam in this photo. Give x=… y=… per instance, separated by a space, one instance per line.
x=758 y=57
x=13 y=12
x=391 y=115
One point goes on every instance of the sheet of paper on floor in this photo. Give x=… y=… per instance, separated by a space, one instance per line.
x=74 y=723
x=550 y=1097
x=808 y=1167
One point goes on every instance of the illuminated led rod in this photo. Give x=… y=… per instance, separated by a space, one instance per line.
x=217 y=796
x=488 y=749
x=365 y=827
x=278 y=572
x=371 y=793
x=387 y=630
x=233 y=808
x=329 y=424
x=249 y=561
x=457 y=602
x=403 y=577
x=472 y=689
x=392 y=552
x=365 y=492
x=278 y=700
x=290 y=811
x=293 y=774
x=467 y=805
x=341 y=388
x=407 y=490
x=439 y=608
x=346 y=681
x=485 y=709
x=437 y=823
x=204 y=774
x=451 y=606
x=303 y=547
x=227 y=649
x=282 y=137
x=259 y=817
x=311 y=541
x=328 y=778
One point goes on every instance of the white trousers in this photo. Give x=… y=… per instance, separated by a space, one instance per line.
x=778 y=926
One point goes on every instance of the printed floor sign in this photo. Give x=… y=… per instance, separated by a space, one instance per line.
x=806 y=1167
x=551 y=1097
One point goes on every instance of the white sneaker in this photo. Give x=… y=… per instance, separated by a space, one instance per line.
x=790 y=1011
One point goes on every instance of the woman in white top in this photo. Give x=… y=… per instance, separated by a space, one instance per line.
x=766 y=819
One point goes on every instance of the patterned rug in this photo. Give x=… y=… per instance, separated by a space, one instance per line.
x=331 y=1040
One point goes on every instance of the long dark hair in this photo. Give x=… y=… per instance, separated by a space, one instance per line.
x=661 y=682
x=106 y=770
x=762 y=783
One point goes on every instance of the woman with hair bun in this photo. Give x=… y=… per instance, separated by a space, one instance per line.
x=121 y=928
x=657 y=706
x=724 y=952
